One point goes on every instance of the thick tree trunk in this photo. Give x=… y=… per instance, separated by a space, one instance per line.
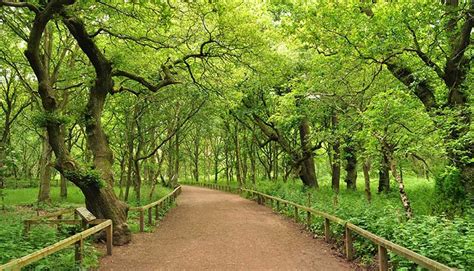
x=45 y=171
x=351 y=167
x=307 y=172
x=100 y=199
x=63 y=183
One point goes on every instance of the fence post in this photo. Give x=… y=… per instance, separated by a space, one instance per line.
x=78 y=251
x=296 y=214
x=109 y=238
x=27 y=226
x=383 y=258
x=157 y=215
x=327 y=233
x=150 y=219
x=349 y=246
x=278 y=206
x=142 y=222
x=59 y=217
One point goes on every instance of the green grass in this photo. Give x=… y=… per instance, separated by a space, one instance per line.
x=28 y=196
x=14 y=243
x=22 y=204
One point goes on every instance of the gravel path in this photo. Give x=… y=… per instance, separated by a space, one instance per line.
x=213 y=230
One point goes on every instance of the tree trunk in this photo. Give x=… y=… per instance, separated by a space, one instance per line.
x=138 y=180
x=63 y=192
x=174 y=182
x=335 y=166
x=227 y=164
x=196 y=160
x=252 y=162
x=335 y=155
x=100 y=199
x=401 y=187
x=45 y=171
x=307 y=171
x=366 y=169
x=122 y=176
x=351 y=166
x=384 y=178
x=238 y=162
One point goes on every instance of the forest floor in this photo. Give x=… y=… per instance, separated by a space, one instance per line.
x=214 y=230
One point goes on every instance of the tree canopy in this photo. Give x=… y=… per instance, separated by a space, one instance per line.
x=125 y=93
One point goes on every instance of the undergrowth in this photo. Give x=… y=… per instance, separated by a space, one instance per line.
x=449 y=241
x=21 y=204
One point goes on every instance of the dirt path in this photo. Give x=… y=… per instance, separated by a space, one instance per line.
x=212 y=230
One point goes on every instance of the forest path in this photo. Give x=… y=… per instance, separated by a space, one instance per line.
x=213 y=230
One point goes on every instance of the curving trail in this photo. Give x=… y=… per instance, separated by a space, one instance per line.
x=213 y=230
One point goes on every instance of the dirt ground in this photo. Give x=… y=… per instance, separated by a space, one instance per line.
x=213 y=230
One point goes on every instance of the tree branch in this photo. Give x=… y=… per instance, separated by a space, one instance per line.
x=167 y=80
x=20 y=5
x=173 y=133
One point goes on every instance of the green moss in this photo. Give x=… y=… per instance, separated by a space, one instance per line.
x=44 y=119
x=88 y=177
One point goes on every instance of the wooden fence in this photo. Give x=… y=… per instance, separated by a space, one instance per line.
x=225 y=188
x=168 y=199
x=349 y=229
x=76 y=239
x=54 y=218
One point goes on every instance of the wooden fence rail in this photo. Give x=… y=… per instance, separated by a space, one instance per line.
x=168 y=199
x=349 y=229
x=225 y=188
x=77 y=240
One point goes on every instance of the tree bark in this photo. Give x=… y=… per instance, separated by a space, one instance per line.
x=335 y=167
x=100 y=199
x=238 y=161
x=351 y=166
x=45 y=171
x=335 y=155
x=366 y=169
x=307 y=172
x=384 y=177
x=401 y=187
x=454 y=74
